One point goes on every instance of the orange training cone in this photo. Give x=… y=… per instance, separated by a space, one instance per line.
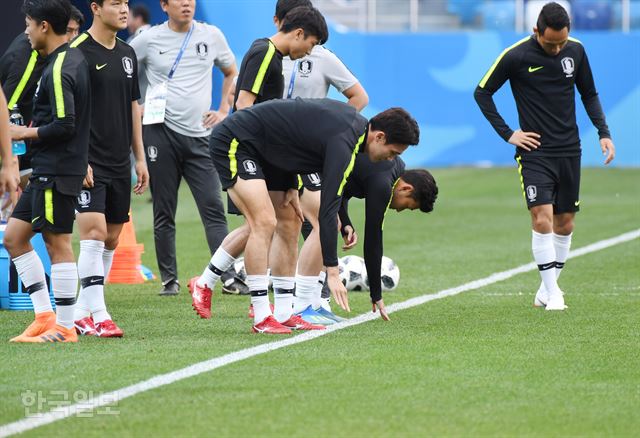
x=127 y=257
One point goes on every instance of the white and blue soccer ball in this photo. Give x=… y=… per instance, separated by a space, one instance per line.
x=389 y=274
x=353 y=273
x=238 y=266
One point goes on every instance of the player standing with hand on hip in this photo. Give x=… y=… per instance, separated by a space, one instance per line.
x=544 y=69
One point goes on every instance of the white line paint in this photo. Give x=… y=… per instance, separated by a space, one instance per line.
x=111 y=398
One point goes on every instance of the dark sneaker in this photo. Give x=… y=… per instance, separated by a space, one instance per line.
x=170 y=289
x=233 y=285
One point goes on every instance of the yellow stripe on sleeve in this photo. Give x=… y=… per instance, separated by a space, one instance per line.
x=257 y=84
x=23 y=80
x=351 y=164
x=486 y=77
x=57 y=84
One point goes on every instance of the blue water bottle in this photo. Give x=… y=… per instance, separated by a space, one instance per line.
x=15 y=118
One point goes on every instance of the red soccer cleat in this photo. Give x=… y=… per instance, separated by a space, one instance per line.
x=108 y=329
x=270 y=325
x=251 y=314
x=201 y=298
x=85 y=326
x=297 y=323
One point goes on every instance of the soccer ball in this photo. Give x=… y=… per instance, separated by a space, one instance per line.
x=353 y=273
x=389 y=274
x=238 y=266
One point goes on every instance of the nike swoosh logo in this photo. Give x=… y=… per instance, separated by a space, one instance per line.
x=162 y=52
x=576 y=203
x=100 y=67
x=94 y=281
x=532 y=69
x=35 y=219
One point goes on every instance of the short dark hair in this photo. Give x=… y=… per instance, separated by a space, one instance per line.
x=54 y=12
x=554 y=16
x=425 y=190
x=310 y=20
x=141 y=11
x=398 y=126
x=77 y=15
x=284 y=6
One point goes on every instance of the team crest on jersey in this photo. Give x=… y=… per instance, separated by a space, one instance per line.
x=568 y=66
x=127 y=65
x=152 y=153
x=315 y=179
x=532 y=193
x=304 y=68
x=250 y=166
x=84 y=198
x=202 y=49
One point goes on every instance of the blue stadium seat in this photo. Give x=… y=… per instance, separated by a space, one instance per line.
x=498 y=14
x=592 y=15
x=465 y=9
x=634 y=15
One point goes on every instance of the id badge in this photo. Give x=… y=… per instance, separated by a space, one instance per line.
x=155 y=104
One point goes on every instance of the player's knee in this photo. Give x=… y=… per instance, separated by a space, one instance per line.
x=14 y=245
x=564 y=228
x=264 y=225
x=111 y=242
x=542 y=224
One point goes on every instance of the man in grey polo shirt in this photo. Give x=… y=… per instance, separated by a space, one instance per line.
x=177 y=57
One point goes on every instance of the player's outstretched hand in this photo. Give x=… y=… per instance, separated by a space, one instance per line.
x=379 y=305
x=88 y=179
x=525 y=140
x=350 y=238
x=143 y=178
x=338 y=290
x=608 y=149
x=291 y=198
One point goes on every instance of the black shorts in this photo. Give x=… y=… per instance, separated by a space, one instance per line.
x=110 y=196
x=48 y=203
x=311 y=182
x=550 y=180
x=233 y=159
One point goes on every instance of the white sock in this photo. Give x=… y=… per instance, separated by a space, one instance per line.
x=544 y=255
x=31 y=272
x=64 y=282
x=258 y=286
x=283 y=289
x=562 y=245
x=305 y=290
x=91 y=273
x=107 y=261
x=220 y=262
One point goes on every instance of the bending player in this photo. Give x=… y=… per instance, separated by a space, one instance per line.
x=295 y=137
x=383 y=186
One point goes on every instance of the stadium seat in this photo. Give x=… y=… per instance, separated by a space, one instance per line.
x=634 y=15
x=498 y=14
x=466 y=10
x=592 y=15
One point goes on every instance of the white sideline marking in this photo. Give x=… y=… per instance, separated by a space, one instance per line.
x=113 y=397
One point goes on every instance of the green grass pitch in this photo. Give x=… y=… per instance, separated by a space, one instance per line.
x=481 y=363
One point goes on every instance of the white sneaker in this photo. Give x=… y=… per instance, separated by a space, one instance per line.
x=542 y=296
x=556 y=301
